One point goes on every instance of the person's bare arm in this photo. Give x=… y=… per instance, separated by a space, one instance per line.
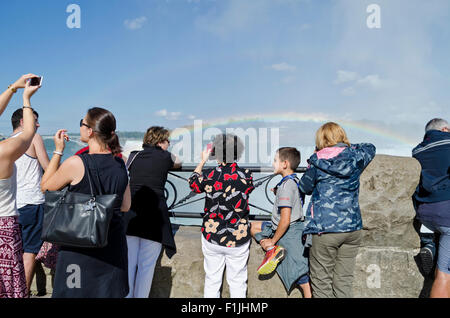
x=13 y=148
x=56 y=177
x=126 y=202
x=6 y=96
x=205 y=157
x=41 y=153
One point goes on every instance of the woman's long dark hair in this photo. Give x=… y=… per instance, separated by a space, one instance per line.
x=103 y=123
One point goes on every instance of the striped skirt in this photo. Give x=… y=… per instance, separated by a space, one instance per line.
x=12 y=272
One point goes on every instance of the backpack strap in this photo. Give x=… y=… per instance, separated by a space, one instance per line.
x=301 y=194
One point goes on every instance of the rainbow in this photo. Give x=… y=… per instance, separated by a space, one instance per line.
x=318 y=118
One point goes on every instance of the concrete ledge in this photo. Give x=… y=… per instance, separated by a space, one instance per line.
x=379 y=272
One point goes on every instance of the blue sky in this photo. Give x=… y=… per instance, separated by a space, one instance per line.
x=167 y=62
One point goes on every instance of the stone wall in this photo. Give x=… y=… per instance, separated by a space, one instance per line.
x=387 y=263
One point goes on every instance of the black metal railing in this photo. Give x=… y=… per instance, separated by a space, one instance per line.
x=175 y=201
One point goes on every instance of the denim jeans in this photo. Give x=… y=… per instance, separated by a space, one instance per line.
x=443 y=262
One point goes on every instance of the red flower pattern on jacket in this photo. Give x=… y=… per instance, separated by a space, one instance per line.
x=232 y=176
x=228 y=214
x=218 y=185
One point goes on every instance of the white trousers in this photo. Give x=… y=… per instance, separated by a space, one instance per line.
x=142 y=257
x=215 y=259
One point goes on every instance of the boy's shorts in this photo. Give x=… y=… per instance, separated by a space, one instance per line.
x=31 y=217
x=303 y=280
x=266 y=231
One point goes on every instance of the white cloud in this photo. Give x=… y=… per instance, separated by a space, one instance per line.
x=135 y=24
x=168 y=115
x=161 y=113
x=283 y=67
x=400 y=61
x=345 y=76
x=371 y=82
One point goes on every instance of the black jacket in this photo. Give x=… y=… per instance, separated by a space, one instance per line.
x=148 y=176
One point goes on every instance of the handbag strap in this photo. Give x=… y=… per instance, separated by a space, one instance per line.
x=86 y=165
x=100 y=187
x=130 y=160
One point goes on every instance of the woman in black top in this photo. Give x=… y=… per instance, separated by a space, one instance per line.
x=92 y=272
x=151 y=229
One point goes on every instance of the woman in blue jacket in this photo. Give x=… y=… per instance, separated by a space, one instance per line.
x=333 y=214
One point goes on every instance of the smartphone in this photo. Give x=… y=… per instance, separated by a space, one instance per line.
x=209 y=147
x=36 y=81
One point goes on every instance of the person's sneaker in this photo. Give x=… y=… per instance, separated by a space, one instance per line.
x=426 y=256
x=271 y=260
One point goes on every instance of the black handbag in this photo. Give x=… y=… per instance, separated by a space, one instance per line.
x=78 y=219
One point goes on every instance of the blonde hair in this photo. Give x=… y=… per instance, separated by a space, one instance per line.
x=155 y=135
x=329 y=135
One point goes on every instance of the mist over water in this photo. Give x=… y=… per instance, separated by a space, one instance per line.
x=178 y=188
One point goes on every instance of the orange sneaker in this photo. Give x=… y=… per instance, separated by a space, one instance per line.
x=271 y=260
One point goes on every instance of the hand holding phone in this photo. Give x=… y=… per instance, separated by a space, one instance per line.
x=29 y=90
x=206 y=154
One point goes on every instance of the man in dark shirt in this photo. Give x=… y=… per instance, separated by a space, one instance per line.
x=432 y=198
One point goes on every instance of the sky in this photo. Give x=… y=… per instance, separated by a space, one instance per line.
x=170 y=62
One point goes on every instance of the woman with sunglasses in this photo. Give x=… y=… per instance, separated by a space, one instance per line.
x=92 y=272
x=86 y=149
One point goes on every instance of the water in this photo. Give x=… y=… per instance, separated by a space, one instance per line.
x=177 y=186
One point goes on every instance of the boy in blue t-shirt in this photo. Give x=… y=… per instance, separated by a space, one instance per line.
x=282 y=237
